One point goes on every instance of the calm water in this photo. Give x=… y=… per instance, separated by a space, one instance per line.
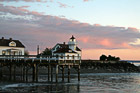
x=90 y=83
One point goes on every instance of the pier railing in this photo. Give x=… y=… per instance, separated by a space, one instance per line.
x=43 y=58
x=40 y=57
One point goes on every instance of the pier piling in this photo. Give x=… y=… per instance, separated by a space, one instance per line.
x=48 y=72
x=68 y=73
x=63 y=73
x=56 y=73
x=24 y=64
x=51 y=73
x=79 y=73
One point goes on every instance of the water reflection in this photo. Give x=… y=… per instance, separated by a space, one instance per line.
x=90 y=83
x=41 y=88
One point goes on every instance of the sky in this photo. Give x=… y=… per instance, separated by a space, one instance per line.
x=109 y=27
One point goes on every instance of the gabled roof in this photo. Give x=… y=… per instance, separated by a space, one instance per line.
x=5 y=42
x=66 y=46
x=63 y=45
x=78 y=49
x=65 y=50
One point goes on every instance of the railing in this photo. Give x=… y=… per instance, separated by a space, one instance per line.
x=41 y=57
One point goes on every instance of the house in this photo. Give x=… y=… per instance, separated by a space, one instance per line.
x=11 y=47
x=68 y=51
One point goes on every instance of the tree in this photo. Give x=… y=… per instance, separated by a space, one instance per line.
x=109 y=58
x=117 y=58
x=103 y=57
x=26 y=53
x=47 y=52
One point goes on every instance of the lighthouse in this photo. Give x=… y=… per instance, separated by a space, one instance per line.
x=72 y=43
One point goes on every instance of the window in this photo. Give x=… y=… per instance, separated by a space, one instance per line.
x=67 y=56
x=14 y=53
x=12 y=44
x=72 y=56
x=3 y=52
x=20 y=52
x=78 y=56
x=8 y=52
x=61 y=55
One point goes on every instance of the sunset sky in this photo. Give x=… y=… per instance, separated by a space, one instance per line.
x=100 y=26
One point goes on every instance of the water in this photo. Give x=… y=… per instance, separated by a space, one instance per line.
x=90 y=83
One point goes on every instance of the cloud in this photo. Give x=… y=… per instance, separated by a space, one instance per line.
x=86 y=0
x=62 y=5
x=14 y=10
x=34 y=28
x=24 y=0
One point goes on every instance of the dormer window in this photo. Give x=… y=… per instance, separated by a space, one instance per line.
x=12 y=44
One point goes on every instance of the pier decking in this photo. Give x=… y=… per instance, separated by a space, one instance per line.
x=34 y=62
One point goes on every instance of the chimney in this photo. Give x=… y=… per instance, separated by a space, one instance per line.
x=64 y=43
x=2 y=38
x=10 y=39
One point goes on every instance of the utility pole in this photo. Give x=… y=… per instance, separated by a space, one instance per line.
x=37 y=49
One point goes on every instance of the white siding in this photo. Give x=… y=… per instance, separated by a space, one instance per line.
x=67 y=56
x=5 y=48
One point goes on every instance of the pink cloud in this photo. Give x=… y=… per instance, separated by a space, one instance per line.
x=134 y=29
x=86 y=0
x=97 y=25
x=36 y=13
x=62 y=5
x=106 y=42
x=24 y=0
x=22 y=8
x=47 y=30
x=83 y=39
x=126 y=45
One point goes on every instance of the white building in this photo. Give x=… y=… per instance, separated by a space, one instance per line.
x=11 y=47
x=68 y=51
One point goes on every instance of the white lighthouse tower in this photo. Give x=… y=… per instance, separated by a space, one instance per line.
x=72 y=43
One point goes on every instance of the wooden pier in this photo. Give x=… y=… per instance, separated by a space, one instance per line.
x=25 y=63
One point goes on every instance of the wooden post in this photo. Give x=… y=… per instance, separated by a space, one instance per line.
x=14 y=72
x=10 y=78
x=63 y=73
x=56 y=73
x=68 y=73
x=26 y=74
x=23 y=73
x=48 y=72
x=1 y=71
x=33 y=75
x=78 y=72
x=51 y=73
x=36 y=73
